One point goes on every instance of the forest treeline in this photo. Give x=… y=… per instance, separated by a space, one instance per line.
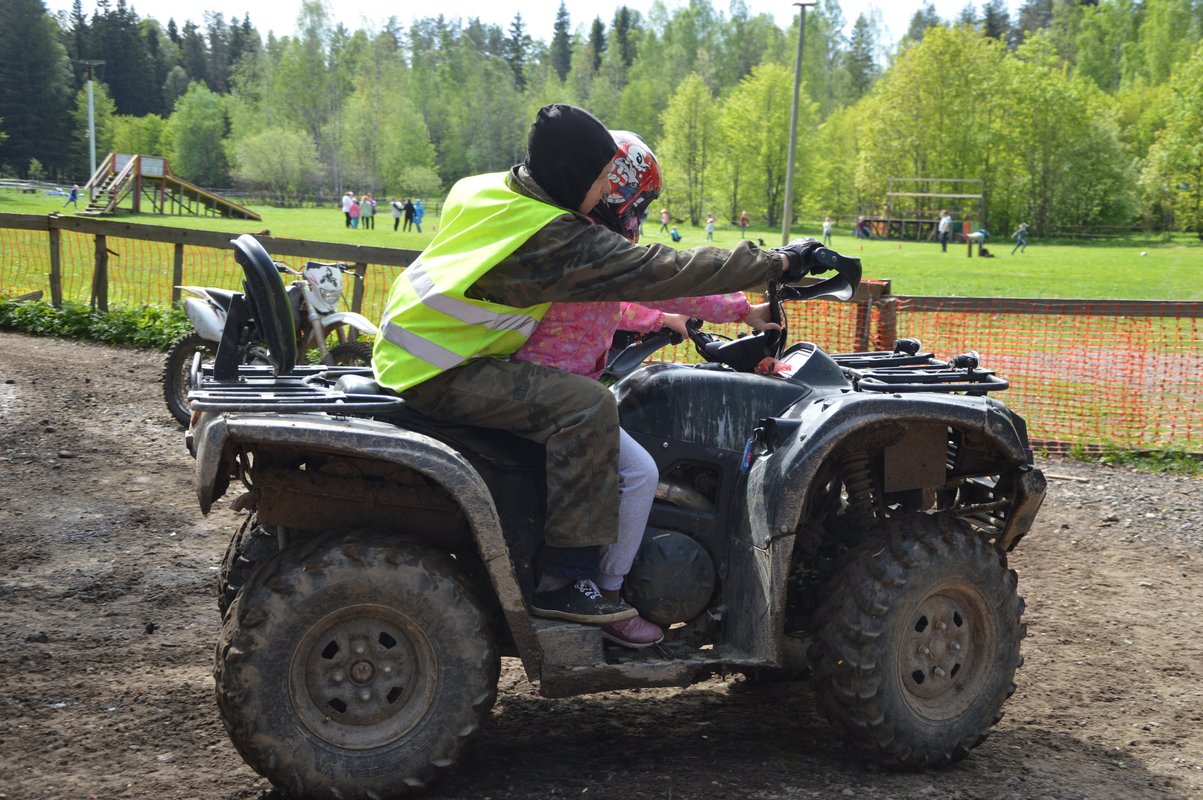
x=1071 y=114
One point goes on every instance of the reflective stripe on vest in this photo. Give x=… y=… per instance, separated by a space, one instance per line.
x=430 y=325
x=464 y=311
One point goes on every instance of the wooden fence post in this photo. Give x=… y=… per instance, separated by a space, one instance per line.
x=887 y=324
x=56 y=267
x=100 y=276
x=361 y=269
x=177 y=273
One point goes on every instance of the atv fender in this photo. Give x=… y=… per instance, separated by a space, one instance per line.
x=215 y=438
x=778 y=487
x=828 y=424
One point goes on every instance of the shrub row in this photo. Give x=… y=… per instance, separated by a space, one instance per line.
x=138 y=326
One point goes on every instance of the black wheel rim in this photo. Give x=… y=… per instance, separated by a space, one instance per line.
x=945 y=652
x=363 y=676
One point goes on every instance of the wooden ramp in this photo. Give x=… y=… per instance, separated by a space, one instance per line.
x=151 y=187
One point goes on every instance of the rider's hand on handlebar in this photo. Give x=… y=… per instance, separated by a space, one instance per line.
x=799 y=258
x=675 y=322
x=760 y=318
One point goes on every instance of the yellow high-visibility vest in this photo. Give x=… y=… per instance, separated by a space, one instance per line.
x=430 y=325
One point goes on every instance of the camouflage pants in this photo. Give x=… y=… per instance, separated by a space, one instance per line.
x=574 y=416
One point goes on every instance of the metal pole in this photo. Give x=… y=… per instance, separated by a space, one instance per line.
x=786 y=217
x=91 y=126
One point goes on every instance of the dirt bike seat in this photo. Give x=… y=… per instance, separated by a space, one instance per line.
x=223 y=297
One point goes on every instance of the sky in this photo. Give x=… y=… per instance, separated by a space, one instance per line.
x=539 y=15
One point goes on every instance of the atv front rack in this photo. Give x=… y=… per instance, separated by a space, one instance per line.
x=904 y=371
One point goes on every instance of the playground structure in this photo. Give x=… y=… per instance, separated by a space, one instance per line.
x=148 y=180
x=913 y=207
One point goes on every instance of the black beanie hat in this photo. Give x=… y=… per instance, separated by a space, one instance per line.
x=566 y=151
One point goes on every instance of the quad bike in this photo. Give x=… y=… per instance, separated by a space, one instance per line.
x=314 y=297
x=843 y=517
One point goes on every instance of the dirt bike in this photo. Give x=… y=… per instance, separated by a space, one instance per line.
x=314 y=297
x=841 y=517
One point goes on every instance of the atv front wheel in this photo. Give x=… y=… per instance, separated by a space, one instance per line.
x=355 y=665
x=917 y=646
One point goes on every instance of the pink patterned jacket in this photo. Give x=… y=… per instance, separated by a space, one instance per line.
x=575 y=337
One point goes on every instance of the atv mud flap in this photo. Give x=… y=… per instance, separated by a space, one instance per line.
x=1029 y=496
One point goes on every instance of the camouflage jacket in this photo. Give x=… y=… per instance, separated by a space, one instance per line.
x=573 y=259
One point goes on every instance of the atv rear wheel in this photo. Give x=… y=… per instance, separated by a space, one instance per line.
x=250 y=546
x=917 y=646
x=355 y=665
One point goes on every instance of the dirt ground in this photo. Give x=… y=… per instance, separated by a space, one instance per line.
x=108 y=621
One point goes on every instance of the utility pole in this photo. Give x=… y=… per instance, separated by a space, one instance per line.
x=786 y=217
x=91 y=117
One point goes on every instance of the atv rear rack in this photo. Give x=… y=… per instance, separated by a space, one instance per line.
x=305 y=388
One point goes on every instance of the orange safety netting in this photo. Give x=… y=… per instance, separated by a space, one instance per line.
x=1087 y=372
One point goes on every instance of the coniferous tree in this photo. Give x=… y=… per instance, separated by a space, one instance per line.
x=561 y=43
x=921 y=21
x=35 y=93
x=218 y=68
x=173 y=32
x=194 y=56
x=624 y=31
x=861 y=62
x=1034 y=15
x=517 y=45
x=597 y=40
x=996 y=21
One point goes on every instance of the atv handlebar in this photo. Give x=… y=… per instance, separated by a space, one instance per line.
x=745 y=353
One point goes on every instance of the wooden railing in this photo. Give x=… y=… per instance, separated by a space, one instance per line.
x=103 y=230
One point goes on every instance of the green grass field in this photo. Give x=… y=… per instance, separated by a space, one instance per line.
x=1134 y=268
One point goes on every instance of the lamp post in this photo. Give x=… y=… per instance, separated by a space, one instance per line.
x=786 y=217
x=91 y=118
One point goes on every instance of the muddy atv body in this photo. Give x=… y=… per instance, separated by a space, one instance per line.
x=846 y=519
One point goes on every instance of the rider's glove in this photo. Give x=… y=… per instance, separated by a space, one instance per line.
x=800 y=255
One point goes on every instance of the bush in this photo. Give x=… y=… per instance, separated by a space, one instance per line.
x=138 y=326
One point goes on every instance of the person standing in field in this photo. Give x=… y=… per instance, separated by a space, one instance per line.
x=408 y=211
x=710 y=228
x=1021 y=238
x=827 y=232
x=354 y=212
x=396 y=204
x=743 y=224
x=367 y=212
x=944 y=229
x=348 y=199
x=664 y=220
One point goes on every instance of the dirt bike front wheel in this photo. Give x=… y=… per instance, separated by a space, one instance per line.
x=176 y=369
x=350 y=354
